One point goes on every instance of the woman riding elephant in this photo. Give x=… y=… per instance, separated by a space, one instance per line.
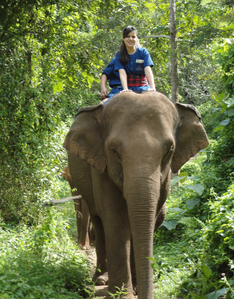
x=131 y=67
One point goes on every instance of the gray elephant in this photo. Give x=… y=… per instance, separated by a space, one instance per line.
x=120 y=156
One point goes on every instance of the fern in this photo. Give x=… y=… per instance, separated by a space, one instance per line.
x=191 y=222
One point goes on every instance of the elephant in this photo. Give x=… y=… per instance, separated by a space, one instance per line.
x=120 y=158
x=84 y=226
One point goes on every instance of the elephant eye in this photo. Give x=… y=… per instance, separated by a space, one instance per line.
x=171 y=149
x=115 y=152
x=169 y=152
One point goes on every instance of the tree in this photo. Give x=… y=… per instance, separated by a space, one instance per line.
x=51 y=58
x=174 y=74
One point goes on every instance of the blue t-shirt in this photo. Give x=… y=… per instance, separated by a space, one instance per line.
x=136 y=64
x=112 y=75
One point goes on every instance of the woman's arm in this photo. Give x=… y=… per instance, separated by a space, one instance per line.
x=150 y=77
x=123 y=79
x=104 y=91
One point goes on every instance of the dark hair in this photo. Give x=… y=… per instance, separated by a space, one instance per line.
x=123 y=53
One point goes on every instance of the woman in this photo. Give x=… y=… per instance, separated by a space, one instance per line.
x=133 y=65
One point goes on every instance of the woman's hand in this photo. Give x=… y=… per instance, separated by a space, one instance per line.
x=150 y=77
x=151 y=89
x=126 y=90
x=104 y=93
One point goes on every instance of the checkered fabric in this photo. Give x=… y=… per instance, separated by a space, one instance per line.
x=137 y=80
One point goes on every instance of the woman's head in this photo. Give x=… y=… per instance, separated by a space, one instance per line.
x=127 y=30
x=130 y=38
x=129 y=44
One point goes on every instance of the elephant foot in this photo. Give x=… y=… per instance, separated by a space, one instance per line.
x=102 y=279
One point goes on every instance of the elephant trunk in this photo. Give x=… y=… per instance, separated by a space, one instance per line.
x=142 y=199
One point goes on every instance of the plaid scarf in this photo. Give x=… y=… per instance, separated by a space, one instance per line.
x=137 y=80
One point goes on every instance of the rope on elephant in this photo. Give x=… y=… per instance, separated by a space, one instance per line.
x=55 y=202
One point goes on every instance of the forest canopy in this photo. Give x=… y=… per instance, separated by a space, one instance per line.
x=52 y=54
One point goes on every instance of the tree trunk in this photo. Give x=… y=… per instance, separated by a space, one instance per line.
x=174 y=74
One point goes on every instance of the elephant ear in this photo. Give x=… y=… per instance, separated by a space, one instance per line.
x=190 y=135
x=85 y=139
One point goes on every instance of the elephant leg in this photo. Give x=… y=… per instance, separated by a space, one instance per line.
x=91 y=234
x=82 y=220
x=112 y=208
x=84 y=229
x=80 y=172
x=118 y=253
x=77 y=204
x=81 y=210
x=101 y=276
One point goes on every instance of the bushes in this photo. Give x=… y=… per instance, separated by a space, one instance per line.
x=200 y=226
x=30 y=176
x=44 y=79
x=218 y=232
x=212 y=276
x=42 y=261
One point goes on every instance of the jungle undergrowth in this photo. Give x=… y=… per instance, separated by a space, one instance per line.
x=42 y=261
x=193 y=248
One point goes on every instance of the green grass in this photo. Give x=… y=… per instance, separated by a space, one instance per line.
x=42 y=261
x=193 y=252
x=171 y=267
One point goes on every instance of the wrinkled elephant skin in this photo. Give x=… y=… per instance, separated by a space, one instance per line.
x=120 y=156
x=85 y=232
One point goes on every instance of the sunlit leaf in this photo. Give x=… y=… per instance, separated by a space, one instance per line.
x=175 y=180
x=217 y=294
x=180 y=178
x=222 y=124
x=199 y=189
x=58 y=87
x=229 y=102
x=170 y=224
x=230 y=112
x=225 y=122
x=194 y=178
x=191 y=203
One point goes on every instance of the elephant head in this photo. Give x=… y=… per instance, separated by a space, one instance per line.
x=135 y=139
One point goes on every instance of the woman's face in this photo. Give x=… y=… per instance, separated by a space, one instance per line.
x=130 y=40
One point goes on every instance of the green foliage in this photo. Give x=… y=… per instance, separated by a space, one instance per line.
x=119 y=293
x=203 y=247
x=42 y=261
x=215 y=267
x=225 y=102
x=171 y=266
x=210 y=119
x=30 y=173
x=43 y=79
x=52 y=56
x=218 y=232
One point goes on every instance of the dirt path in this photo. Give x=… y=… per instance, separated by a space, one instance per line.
x=100 y=291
